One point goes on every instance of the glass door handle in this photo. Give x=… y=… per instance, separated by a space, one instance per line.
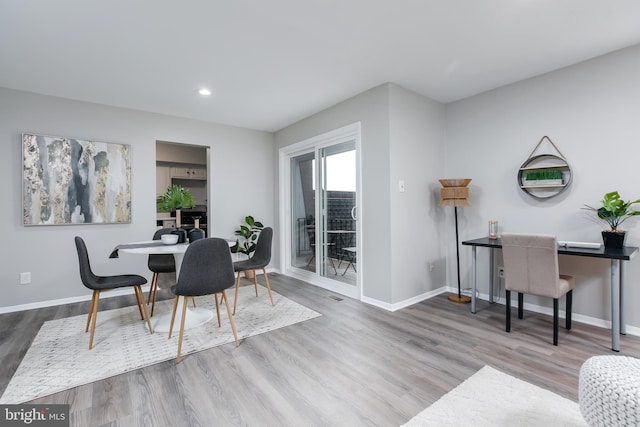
x=353 y=213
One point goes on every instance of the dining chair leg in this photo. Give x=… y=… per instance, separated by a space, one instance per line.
x=173 y=315
x=567 y=319
x=94 y=318
x=184 y=316
x=193 y=301
x=266 y=279
x=235 y=301
x=555 y=321
x=93 y=301
x=153 y=292
x=139 y=301
x=520 y=305
x=154 y=283
x=233 y=324
x=507 y=305
x=143 y=306
x=215 y=296
x=255 y=281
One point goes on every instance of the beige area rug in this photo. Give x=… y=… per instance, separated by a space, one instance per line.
x=59 y=357
x=492 y=398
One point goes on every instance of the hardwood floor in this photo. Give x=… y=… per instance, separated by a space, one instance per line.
x=356 y=365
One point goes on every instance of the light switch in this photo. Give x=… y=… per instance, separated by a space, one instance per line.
x=401 y=186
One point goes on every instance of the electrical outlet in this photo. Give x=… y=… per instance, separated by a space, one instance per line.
x=25 y=278
x=501 y=272
x=430 y=267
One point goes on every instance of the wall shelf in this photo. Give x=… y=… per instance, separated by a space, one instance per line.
x=540 y=162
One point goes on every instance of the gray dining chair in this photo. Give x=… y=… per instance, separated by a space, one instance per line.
x=531 y=267
x=206 y=269
x=159 y=263
x=260 y=259
x=99 y=284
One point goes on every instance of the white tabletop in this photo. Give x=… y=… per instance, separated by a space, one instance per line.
x=195 y=316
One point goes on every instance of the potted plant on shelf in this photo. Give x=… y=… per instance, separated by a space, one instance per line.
x=541 y=177
x=247 y=238
x=176 y=197
x=613 y=212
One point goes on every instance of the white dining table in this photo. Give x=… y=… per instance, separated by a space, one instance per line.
x=194 y=316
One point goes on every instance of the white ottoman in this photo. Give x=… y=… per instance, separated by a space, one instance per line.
x=609 y=392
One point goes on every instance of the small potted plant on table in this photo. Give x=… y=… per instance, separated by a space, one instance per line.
x=176 y=198
x=614 y=211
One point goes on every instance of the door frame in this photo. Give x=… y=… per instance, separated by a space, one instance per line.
x=343 y=134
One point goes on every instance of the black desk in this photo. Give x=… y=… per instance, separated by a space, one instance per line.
x=617 y=277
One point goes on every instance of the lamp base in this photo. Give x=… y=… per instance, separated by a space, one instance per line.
x=463 y=299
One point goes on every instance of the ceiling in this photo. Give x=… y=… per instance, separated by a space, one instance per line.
x=272 y=63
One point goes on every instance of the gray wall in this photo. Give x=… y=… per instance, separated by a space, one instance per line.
x=591 y=112
x=417 y=149
x=48 y=252
x=401 y=139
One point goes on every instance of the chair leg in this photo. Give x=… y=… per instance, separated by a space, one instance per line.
x=233 y=324
x=266 y=279
x=215 y=296
x=153 y=291
x=138 y=302
x=184 y=316
x=235 y=301
x=154 y=283
x=520 y=305
x=555 y=321
x=173 y=315
x=94 y=317
x=508 y=307
x=143 y=306
x=569 y=299
x=193 y=301
x=255 y=281
x=93 y=301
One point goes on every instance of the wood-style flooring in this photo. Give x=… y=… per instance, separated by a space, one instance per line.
x=356 y=365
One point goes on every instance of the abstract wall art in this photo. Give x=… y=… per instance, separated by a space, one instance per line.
x=73 y=181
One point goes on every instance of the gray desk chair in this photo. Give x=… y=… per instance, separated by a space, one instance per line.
x=159 y=263
x=531 y=267
x=207 y=269
x=260 y=259
x=106 y=283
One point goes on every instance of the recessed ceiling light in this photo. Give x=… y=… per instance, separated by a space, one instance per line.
x=204 y=92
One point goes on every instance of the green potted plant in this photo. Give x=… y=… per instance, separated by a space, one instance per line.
x=176 y=197
x=613 y=212
x=248 y=235
x=540 y=177
x=247 y=238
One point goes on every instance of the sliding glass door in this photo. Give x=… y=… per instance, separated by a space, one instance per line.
x=323 y=233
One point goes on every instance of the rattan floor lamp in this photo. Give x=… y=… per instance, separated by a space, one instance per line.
x=454 y=192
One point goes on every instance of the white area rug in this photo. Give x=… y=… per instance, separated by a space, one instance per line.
x=59 y=357
x=492 y=398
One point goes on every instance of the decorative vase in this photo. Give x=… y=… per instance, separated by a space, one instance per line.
x=181 y=232
x=614 y=239
x=196 y=233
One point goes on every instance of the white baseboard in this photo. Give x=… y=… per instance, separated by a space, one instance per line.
x=404 y=303
x=580 y=318
x=70 y=300
x=82 y=298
